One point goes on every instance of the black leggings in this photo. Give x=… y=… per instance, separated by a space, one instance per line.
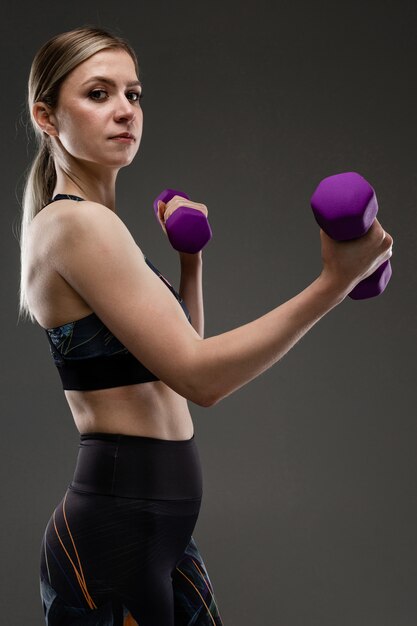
x=118 y=548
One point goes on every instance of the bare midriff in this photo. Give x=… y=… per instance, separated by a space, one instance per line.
x=149 y=409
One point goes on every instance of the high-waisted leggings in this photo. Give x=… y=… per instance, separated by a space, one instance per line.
x=118 y=548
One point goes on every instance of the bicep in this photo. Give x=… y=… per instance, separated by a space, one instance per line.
x=98 y=257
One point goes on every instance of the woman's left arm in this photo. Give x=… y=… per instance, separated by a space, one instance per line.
x=191 y=288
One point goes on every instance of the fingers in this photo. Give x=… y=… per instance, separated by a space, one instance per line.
x=380 y=235
x=386 y=239
x=375 y=232
x=389 y=243
x=165 y=210
x=177 y=201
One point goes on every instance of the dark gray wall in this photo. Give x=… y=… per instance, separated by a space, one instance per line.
x=310 y=513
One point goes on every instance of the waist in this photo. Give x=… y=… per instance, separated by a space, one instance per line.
x=135 y=466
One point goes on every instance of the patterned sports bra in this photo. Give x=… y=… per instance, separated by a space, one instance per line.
x=88 y=356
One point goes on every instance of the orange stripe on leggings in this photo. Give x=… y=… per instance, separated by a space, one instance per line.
x=129 y=621
x=209 y=587
x=203 y=577
x=202 y=599
x=80 y=579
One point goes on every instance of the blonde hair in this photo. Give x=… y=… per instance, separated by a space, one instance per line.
x=51 y=65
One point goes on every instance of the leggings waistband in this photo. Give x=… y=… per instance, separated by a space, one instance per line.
x=135 y=466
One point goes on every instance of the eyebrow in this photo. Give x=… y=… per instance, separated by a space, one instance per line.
x=109 y=81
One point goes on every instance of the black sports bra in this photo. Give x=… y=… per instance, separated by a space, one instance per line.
x=88 y=356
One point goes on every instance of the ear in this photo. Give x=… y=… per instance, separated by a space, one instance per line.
x=44 y=118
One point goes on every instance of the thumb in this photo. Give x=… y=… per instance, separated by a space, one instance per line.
x=161 y=209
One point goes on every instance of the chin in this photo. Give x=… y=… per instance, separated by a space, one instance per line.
x=128 y=160
x=122 y=161
x=124 y=156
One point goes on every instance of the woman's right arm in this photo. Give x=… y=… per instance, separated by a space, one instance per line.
x=95 y=253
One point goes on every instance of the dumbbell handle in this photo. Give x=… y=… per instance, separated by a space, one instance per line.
x=345 y=207
x=188 y=229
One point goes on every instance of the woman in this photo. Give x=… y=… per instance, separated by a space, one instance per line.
x=118 y=548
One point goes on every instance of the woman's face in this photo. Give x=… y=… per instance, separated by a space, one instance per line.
x=91 y=111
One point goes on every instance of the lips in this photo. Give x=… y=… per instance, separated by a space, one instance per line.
x=125 y=135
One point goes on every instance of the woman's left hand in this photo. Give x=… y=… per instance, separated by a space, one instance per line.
x=165 y=210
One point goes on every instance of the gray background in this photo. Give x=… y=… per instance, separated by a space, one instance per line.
x=309 y=514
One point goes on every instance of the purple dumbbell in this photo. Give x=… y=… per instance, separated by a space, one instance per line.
x=345 y=206
x=188 y=229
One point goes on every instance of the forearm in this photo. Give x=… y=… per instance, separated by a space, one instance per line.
x=228 y=361
x=191 y=288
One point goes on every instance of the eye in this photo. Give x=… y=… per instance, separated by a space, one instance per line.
x=138 y=94
x=91 y=94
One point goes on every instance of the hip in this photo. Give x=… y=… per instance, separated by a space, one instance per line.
x=135 y=466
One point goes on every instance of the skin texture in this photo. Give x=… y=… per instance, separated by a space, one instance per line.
x=86 y=160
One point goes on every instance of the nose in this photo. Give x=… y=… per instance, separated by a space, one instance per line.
x=124 y=109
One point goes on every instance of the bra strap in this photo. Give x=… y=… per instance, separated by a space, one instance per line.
x=66 y=196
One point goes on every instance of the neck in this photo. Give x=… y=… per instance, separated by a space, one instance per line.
x=98 y=188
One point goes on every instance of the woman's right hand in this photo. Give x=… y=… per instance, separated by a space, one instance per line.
x=346 y=263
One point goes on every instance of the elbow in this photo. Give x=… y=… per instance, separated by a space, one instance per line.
x=201 y=391
x=200 y=394
x=202 y=398
x=208 y=401
x=205 y=397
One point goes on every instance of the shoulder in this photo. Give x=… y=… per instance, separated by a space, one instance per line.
x=85 y=220
x=83 y=233
x=67 y=211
